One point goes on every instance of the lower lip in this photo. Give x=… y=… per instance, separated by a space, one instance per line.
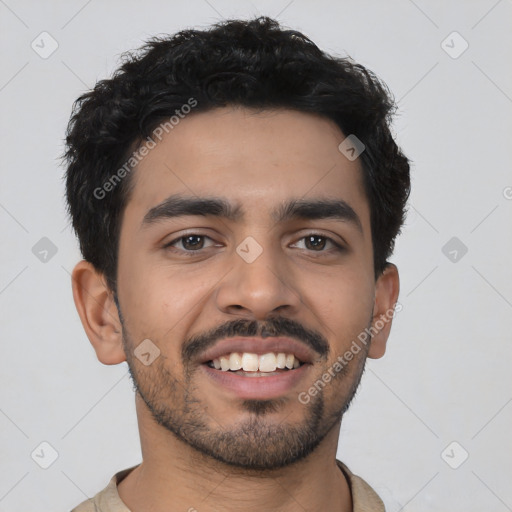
x=261 y=388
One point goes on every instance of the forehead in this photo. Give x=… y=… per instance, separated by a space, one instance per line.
x=256 y=158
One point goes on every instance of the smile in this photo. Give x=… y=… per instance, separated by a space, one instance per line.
x=251 y=364
x=257 y=384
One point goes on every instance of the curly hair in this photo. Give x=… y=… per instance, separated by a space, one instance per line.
x=250 y=63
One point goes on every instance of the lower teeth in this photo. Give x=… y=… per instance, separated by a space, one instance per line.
x=255 y=374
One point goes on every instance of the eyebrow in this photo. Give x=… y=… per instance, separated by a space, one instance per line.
x=315 y=209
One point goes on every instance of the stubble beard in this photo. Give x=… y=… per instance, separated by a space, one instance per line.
x=256 y=443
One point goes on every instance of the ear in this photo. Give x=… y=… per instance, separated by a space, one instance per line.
x=387 y=287
x=95 y=304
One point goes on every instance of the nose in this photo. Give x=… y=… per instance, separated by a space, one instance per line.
x=260 y=287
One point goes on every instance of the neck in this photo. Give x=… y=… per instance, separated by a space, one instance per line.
x=175 y=477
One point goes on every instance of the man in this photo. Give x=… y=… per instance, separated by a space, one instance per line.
x=236 y=193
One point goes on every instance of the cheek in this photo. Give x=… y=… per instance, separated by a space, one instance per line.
x=161 y=301
x=343 y=305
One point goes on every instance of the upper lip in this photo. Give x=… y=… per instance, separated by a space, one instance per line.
x=259 y=346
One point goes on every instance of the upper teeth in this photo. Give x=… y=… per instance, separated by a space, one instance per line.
x=253 y=362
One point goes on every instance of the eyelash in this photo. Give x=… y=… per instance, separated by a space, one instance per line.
x=337 y=247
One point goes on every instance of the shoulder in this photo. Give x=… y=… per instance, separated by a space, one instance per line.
x=86 y=506
x=108 y=499
x=364 y=498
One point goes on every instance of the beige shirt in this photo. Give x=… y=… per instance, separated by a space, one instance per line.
x=364 y=497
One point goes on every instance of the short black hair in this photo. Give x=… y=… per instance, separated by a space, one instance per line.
x=250 y=63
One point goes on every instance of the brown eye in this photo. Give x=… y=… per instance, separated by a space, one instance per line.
x=190 y=244
x=315 y=242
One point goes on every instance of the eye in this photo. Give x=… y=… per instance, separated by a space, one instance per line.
x=192 y=244
x=189 y=243
x=316 y=242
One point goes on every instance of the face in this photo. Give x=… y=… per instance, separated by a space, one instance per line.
x=278 y=263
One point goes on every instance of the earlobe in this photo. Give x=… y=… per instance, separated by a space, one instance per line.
x=386 y=295
x=98 y=313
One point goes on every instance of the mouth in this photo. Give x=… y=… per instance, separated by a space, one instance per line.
x=249 y=364
x=249 y=375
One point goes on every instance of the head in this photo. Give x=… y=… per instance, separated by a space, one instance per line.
x=213 y=197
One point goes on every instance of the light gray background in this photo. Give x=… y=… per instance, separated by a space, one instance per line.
x=446 y=375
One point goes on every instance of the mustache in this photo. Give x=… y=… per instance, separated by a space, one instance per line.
x=273 y=327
